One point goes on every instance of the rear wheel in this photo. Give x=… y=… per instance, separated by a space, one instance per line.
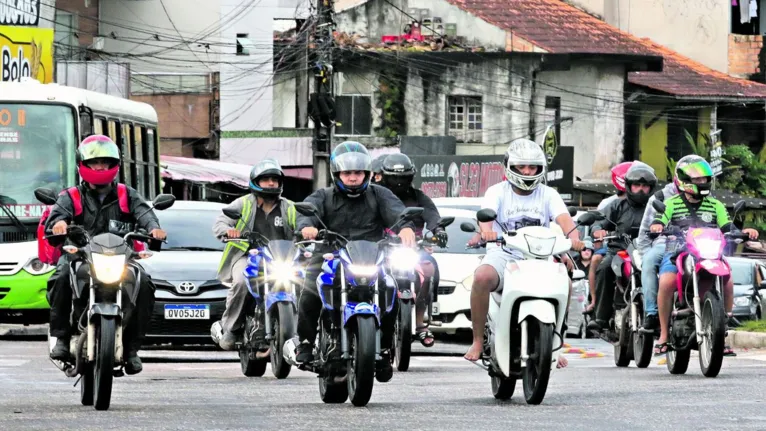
x=104 y=368
x=361 y=367
x=621 y=349
x=503 y=387
x=538 y=367
x=86 y=384
x=403 y=336
x=642 y=343
x=283 y=328
x=713 y=335
x=330 y=392
x=251 y=367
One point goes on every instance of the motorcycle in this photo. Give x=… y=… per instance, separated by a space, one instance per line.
x=102 y=264
x=525 y=319
x=348 y=344
x=403 y=265
x=698 y=319
x=272 y=320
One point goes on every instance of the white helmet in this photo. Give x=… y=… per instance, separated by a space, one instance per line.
x=524 y=152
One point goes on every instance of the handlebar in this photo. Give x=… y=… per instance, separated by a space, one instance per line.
x=734 y=235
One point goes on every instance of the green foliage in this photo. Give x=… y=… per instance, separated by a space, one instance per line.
x=390 y=102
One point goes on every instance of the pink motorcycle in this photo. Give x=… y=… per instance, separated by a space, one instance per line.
x=698 y=320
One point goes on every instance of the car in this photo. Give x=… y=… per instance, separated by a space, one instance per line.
x=469 y=204
x=456 y=267
x=184 y=274
x=748 y=276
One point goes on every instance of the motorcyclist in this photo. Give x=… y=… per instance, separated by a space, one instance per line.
x=519 y=201
x=618 y=180
x=377 y=169
x=622 y=217
x=98 y=163
x=692 y=207
x=357 y=210
x=398 y=173
x=264 y=211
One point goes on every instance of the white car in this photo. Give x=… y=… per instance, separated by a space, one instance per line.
x=456 y=267
x=469 y=204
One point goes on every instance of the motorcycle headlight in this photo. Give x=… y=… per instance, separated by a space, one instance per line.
x=742 y=301
x=36 y=267
x=708 y=248
x=282 y=272
x=108 y=269
x=403 y=259
x=540 y=246
x=363 y=270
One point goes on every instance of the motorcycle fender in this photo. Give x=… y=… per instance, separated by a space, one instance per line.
x=405 y=294
x=277 y=297
x=363 y=308
x=104 y=309
x=714 y=267
x=540 y=309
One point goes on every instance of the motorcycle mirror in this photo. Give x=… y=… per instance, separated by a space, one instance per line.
x=306 y=209
x=738 y=207
x=658 y=206
x=586 y=219
x=445 y=221
x=572 y=211
x=163 y=201
x=486 y=215
x=46 y=196
x=467 y=227
x=578 y=274
x=411 y=213
x=232 y=214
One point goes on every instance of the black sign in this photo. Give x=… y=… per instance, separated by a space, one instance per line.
x=20 y=12
x=471 y=176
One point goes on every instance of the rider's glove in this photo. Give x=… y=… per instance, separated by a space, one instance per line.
x=441 y=238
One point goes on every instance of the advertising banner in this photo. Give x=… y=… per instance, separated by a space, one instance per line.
x=26 y=52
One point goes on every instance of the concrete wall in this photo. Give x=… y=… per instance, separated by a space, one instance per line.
x=181 y=115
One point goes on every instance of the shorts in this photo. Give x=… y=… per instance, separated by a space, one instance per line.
x=498 y=259
x=601 y=251
x=667 y=265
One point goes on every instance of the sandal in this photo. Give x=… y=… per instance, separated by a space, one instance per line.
x=727 y=351
x=660 y=349
x=425 y=336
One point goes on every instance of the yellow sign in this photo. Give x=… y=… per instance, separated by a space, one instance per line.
x=550 y=145
x=26 y=52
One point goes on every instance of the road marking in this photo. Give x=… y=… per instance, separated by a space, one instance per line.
x=13 y=362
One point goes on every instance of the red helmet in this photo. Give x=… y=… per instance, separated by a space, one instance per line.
x=98 y=147
x=618 y=175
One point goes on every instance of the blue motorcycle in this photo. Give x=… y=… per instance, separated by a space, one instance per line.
x=273 y=271
x=352 y=286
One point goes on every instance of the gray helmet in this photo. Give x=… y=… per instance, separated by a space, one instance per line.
x=377 y=164
x=350 y=156
x=266 y=168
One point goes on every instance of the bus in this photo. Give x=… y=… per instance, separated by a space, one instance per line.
x=40 y=128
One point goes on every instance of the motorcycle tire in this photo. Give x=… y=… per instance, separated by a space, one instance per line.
x=643 y=344
x=330 y=392
x=538 y=368
x=622 y=348
x=283 y=328
x=403 y=336
x=251 y=367
x=361 y=366
x=86 y=385
x=104 y=368
x=712 y=347
x=503 y=387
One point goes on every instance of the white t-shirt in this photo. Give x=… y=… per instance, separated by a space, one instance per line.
x=515 y=211
x=606 y=202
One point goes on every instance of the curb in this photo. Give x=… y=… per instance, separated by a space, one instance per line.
x=23 y=331
x=746 y=340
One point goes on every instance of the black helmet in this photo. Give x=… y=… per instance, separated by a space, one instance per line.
x=266 y=168
x=350 y=156
x=640 y=173
x=377 y=164
x=398 y=173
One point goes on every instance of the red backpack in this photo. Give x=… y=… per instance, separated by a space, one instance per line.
x=49 y=254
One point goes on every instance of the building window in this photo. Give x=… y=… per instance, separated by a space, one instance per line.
x=355 y=115
x=465 y=118
x=64 y=41
x=243 y=44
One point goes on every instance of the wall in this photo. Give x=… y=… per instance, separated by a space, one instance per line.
x=743 y=55
x=592 y=96
x=87 y=20
x=284 y=93
x=175 y=147
x=653 y=140
x=181 y=115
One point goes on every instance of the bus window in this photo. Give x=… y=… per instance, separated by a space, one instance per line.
x=114 y=129
x=138 y=150
x=129 y=143
x=99 y=126
x=151 y=158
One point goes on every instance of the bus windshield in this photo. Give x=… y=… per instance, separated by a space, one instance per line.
x=37 y=145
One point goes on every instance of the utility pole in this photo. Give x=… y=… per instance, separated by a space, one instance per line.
x=322 y=103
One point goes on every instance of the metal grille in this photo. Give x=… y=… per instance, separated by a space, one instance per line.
x=10 y=237
x=446 y=290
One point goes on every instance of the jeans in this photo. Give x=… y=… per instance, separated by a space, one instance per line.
x=649 y=281
x=236 y=297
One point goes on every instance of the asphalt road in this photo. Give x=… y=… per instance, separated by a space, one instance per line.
x=189 y=390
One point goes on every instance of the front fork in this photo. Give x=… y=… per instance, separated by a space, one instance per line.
x=91 y=349
x=633 y=306
x=344 y=331
x=698 y=304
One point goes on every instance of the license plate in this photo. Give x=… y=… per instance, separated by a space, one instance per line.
x=435 y=308
x=187 y=311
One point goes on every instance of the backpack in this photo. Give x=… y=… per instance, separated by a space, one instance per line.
x=50 y=254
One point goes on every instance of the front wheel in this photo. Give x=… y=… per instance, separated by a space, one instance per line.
x=403 y=336
x=622 y=348
x=713 y=335
x=104 y=369
x=538 y=367
x=361 y=366
x=642 y=343
x=283 y=328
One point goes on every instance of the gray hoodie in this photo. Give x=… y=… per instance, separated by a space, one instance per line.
x=644 y=242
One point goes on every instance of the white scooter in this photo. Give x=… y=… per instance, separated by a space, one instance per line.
x=523 y=335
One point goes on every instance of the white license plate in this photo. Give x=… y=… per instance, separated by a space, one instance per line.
x=187 y=311
x=435 y=308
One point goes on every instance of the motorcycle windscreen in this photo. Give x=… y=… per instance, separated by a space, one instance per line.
x=362 y=253
x=282 y=250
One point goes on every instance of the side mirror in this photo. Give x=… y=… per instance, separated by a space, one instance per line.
x=572 y=211
x=445 y=221
x=46 y=196
x=586 y=219
x=306 y=209
x=658 y=206
x=578 y=274
x=762 y=286
x=738 y=207
x=411 y=213
x=232 y=214
x=467 y=227
x=486 y=215
x=163 y=201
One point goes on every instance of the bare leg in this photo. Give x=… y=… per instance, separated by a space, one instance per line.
x=485 y=281
x=728 y=296
x=595 y=261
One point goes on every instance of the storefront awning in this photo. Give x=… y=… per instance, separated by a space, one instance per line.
x=213 y=171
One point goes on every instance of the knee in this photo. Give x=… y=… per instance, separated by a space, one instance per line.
x=428 y=269
x=485 y=279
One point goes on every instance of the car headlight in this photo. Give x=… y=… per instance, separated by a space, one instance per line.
x=36 y=267
x=708 y=248
x=108 y=269
x=742 y=301
x=403 y=259
x=467 y=283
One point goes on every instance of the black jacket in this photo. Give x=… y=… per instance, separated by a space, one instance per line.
x=416 y=198
x=362 y=218
x=96 y=215
x=622 y=218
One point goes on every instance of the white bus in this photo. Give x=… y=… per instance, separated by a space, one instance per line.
x=40 y=128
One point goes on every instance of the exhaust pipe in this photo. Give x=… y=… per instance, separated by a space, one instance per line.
x=73 y=372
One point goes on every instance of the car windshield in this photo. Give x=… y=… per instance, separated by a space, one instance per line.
x=190 y=229
x=741 y=271
x=458 y=239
